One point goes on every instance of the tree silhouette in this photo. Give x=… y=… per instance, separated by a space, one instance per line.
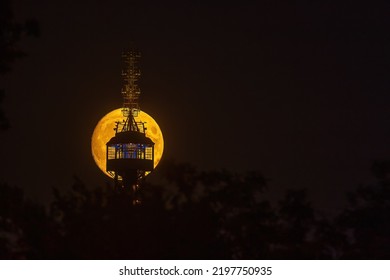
x=366 y=221
x=11 y=32
x=25 y=228
x=192 y=214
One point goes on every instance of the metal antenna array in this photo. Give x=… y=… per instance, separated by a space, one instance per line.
x=130 y=89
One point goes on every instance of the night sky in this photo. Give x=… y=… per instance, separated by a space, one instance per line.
x=297 y=91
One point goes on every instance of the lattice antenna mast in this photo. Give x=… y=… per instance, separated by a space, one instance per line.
x=131 y=91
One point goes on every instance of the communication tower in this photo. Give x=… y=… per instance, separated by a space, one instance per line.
x=130 y=153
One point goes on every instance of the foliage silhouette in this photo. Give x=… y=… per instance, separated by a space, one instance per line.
x=11 y=33
x=190 y=214
x=25 y=228
x=367 y=218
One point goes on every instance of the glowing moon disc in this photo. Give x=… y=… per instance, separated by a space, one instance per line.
x=104 y=131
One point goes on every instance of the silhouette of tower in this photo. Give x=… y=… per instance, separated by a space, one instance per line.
x=130 y=154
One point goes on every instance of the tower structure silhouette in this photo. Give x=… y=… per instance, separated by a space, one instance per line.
x=130 y=153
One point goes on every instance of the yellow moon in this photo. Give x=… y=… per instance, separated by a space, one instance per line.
x=104 y=131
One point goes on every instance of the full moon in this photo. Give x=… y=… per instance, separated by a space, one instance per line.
x=104 y=131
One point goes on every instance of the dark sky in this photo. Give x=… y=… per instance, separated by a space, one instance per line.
x=298 y=91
